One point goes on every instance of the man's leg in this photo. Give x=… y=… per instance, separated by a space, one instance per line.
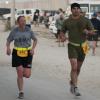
x=75 y=70
x=73 y=73
x=79 y=65
x=20 y=81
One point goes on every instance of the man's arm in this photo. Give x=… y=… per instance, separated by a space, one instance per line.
x=90 y=28
x=89 y=31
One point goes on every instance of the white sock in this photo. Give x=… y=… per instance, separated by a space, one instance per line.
x=20 y=91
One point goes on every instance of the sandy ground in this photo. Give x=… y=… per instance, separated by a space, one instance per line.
x=50 y=72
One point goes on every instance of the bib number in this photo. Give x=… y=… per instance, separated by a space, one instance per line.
x=22 y=53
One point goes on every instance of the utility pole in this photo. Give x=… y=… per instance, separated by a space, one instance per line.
x=13 y=14
x=67 y=3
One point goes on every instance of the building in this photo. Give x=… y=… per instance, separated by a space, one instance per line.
x=41 y=4
x=88 y=6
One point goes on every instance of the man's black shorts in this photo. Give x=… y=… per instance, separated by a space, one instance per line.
x=26 y=62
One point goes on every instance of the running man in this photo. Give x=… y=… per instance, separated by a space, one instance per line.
x=23 y=51
x=77 y=26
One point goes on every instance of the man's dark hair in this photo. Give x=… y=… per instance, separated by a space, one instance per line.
x=75 y=5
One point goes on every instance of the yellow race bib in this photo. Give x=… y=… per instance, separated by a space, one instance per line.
x=85 y=47
x=22 y=53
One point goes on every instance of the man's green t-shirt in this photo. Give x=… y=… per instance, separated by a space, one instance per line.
x=75 y=28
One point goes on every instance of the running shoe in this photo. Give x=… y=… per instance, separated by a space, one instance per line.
x=21 y=95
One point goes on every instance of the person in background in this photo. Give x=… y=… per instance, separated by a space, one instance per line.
x=93 y=38
x=36 y=18
x=59 y=24
x=28 y=21
x=83 y=13
x=61 y=12
x=57 y=16
x=98 y=16
x=23 y=51
x=46 y=19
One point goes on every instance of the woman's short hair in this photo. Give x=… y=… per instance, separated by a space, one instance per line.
x=19 y=18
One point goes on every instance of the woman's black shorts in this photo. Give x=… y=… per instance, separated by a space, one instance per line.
x=93 y=37
x=26 y=62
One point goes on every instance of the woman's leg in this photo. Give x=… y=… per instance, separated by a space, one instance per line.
x=27 y=72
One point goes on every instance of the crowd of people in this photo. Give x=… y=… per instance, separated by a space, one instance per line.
x=59 y=16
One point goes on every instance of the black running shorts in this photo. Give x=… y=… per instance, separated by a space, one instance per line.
x=26 y=62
